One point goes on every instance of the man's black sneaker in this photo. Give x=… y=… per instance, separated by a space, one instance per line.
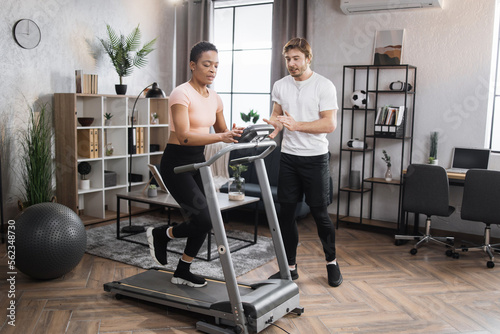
x=294 y=273
x=334 y=275
x=157 y=240
x=182 y=275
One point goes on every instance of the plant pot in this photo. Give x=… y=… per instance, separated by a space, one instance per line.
x=84 y=184
x=236 y=191
x=121 y=89
x=434 y=162
x=152 y=192
x=107 y=122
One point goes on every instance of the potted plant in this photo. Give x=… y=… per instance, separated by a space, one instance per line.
x=237 y=183
x=109 y=149
x=154 y=118
x=152 y=191
x=36 y=158
x=125 y=53
x=84 y=168
x=387 y=159
x=433 y=160
x=251 y=116
x=107 y=119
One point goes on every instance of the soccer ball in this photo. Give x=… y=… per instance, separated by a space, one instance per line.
x=359 y=99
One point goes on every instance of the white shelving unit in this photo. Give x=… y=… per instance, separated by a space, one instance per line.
x=99 y=202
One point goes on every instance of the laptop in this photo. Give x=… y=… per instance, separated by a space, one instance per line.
x=469 y=158
x=158 y=178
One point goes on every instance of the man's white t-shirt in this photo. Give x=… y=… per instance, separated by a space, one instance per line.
x=304 y=100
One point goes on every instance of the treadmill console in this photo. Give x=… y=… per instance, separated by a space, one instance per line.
x=256 y=132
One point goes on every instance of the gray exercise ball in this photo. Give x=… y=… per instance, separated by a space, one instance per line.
x=50 y=240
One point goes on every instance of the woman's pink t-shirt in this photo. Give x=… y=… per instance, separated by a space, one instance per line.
x=201 y=109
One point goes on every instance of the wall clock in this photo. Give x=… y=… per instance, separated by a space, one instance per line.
x=27 y=33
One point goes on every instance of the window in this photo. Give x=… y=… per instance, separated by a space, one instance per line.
x=495 y=115
x=242 y=34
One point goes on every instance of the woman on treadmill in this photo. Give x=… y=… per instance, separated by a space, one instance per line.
x=193 y=109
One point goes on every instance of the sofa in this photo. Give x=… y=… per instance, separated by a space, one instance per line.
x=252 y=187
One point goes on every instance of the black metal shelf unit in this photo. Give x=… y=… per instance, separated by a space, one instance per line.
x=360 y=123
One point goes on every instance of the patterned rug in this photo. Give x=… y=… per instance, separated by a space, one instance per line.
x=102 y=242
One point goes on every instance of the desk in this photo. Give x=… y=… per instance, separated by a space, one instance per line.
x=456 y=179
x=168 y=201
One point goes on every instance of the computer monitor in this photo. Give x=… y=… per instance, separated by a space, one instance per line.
x=468 y=158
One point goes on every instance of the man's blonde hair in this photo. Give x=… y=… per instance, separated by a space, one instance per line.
x=300 y=44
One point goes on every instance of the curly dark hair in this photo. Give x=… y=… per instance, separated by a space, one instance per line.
x=199 y=48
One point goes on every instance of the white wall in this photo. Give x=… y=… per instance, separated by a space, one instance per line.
x=67 y=26
x=452 y=50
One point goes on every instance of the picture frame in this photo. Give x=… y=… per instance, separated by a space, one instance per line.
x=388 y=47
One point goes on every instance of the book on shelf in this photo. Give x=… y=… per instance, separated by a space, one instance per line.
x=389 y=121
x=141 y=140
x=88 y=143
x=136 y=140
x=389 y=115
x=86 y=83
x=78 y=80
x=132 y=141
x=96 y=143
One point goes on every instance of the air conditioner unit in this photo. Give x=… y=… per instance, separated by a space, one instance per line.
x=372 y=6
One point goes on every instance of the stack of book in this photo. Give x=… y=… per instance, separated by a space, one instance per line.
x=88 y=143
x=389 y=121
x=136 y=140
x=86 y=83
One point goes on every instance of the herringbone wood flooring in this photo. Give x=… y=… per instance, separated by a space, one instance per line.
x=385 y=290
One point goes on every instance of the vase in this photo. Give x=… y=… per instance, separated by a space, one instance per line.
x=236 y=189
x=121 y=89
x=388 y=174
x=109 y=149
x=355 y=180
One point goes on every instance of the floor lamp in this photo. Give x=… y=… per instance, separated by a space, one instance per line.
x=154 y=92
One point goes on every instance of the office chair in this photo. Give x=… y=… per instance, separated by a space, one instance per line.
x=480 y=203
x=426 y=191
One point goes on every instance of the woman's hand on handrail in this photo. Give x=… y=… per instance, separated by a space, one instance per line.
x=228 y=136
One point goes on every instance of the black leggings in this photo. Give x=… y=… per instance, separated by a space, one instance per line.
x=290 y=233
x=187 y=189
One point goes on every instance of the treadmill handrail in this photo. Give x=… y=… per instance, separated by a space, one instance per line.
x=270 y=144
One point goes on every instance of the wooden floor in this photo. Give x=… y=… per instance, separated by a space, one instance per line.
x=385 y=290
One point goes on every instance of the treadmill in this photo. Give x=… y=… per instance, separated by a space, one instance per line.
x=236 y=307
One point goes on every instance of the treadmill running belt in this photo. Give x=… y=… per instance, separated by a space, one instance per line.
x=156 y=284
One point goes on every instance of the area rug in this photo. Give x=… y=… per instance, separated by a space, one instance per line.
x=102 y=242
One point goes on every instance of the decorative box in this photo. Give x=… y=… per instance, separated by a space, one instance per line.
x=109 y=178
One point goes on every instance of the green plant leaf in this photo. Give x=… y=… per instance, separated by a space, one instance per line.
x=36 y=158
x=122 y=51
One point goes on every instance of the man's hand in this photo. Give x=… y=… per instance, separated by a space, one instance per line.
x=288 y=121
x=277 y=127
